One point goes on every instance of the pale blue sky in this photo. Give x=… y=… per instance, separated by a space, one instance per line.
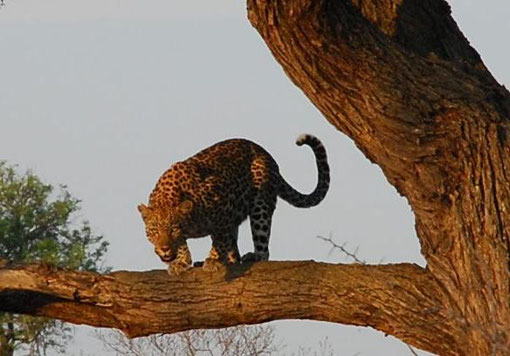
x=104 y=95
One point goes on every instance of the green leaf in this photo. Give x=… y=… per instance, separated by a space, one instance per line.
x=36 y=224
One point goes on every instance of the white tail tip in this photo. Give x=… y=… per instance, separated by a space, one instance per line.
x=301 y=139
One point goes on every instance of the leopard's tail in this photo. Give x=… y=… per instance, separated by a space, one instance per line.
x=292 y=196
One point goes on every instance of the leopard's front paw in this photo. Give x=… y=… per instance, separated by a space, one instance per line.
x=212 y=265
x=176 y=268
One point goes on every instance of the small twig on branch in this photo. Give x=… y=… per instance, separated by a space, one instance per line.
x=411 y=349
x=342 y=248
x=354 y=256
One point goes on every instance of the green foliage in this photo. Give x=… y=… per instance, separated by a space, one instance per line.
x=34 y=334
x=36 y=224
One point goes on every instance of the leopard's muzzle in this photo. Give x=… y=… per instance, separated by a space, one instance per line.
x=165 y=254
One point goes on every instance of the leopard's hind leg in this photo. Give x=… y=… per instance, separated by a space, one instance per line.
x=261 y=214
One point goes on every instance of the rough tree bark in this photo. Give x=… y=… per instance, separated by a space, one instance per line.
x=143 y=303
x=400 y=79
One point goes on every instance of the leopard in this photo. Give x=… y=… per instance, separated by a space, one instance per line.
x=213 y=192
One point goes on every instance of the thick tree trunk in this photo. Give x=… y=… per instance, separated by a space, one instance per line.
x=5 y=348
x=400 y=79
x=6 y=340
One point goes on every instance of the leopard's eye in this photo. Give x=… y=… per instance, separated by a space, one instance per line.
x=175 y=230
x=151 y=232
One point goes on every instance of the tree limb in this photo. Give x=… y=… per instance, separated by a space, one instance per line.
x=401 y=300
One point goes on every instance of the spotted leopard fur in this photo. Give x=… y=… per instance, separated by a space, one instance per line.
x=213 y=192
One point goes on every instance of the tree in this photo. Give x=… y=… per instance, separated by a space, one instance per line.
x=35 y=225
x=256 y=340
x=401 y=80
x=236 y=341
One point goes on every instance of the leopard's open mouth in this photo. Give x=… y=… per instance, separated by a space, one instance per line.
x=167 y=259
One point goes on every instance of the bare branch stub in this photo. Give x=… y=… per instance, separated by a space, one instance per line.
x=342 y=248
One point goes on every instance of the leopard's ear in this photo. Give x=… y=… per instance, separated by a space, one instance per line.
x=144 y=211
x=185 y=207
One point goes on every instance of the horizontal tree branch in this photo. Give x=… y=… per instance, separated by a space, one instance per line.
x=401 y=300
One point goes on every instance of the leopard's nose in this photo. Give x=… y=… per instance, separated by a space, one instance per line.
x=165 y=249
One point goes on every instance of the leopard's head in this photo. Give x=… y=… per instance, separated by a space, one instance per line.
x=163 y=228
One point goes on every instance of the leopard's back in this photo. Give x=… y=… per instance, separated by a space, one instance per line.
x=221 y=181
